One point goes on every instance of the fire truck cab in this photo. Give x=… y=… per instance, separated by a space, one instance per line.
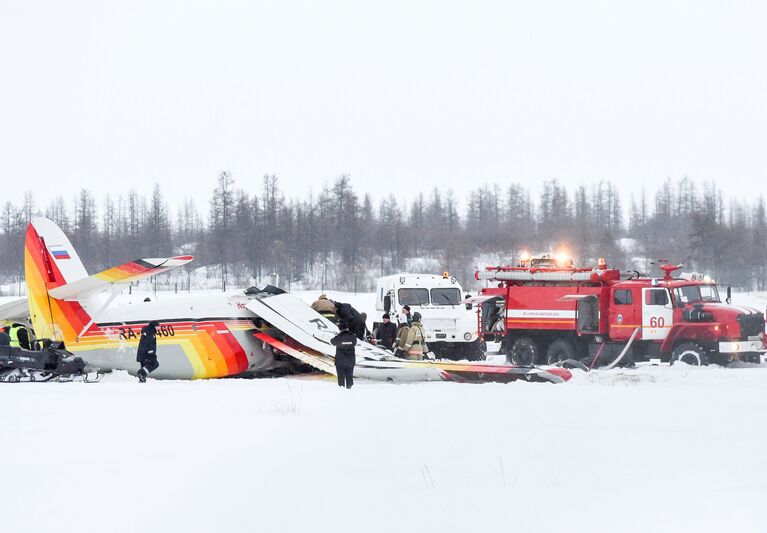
x=546 y=311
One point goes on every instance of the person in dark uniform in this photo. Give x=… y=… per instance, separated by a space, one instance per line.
x=386 y=333
x=353 y=319
x=345 y=342
x=147 y=351
x=367 y=336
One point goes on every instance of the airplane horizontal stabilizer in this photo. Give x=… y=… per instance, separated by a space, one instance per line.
x=123 y=274
x=15 y=311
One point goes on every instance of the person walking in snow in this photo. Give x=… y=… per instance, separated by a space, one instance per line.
x=345 y=342
x=147 y=351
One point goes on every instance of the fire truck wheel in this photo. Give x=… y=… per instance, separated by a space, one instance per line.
x=690 y=353
x=560 y=350
x=524 y=352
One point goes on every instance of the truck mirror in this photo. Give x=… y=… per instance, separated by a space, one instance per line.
x=729 y=294
x=387 y=303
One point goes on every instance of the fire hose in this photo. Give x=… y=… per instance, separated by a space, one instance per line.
x=625 y=349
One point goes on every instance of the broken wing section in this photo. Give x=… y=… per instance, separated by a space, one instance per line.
x=312 y=333
x=318 y=361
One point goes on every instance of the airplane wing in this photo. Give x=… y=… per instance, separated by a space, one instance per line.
x=317 y=338
x=313 y=331
x=15 y=311
x=299 y=321
x=123 y=274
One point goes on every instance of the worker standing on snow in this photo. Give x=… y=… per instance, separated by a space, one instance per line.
x=345 y=342
x=399 y=342
x=147 y=351
x=386 y=333
x=326 y=308
x=367 y=335
x=408 y=318
x=415 y=344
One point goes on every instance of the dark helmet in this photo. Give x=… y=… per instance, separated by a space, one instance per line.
x=416 y=317
x=153 y=324
x=343 y=325
x=385 y=315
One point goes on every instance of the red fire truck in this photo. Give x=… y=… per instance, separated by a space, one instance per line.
x=545 y=310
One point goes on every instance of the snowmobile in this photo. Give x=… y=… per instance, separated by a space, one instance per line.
x=52 y=363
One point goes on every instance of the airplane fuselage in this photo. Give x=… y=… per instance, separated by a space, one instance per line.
x=200 y=336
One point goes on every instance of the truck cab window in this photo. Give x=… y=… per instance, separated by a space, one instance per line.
x=656 y=297
x=696 y=293
x=446 y=296
x=623 y=297
x=413 y=297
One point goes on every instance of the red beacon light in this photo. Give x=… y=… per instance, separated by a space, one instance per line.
x=670 y=269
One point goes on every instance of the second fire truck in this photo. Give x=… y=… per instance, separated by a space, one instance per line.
x=545 y=310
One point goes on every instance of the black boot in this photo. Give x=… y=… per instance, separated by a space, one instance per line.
x=141 y=376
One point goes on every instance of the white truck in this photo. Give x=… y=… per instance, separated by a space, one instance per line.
x=450 y=324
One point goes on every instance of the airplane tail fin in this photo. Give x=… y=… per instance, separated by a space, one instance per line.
x=51 y=261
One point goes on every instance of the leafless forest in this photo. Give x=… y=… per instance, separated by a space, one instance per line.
x=341 y=238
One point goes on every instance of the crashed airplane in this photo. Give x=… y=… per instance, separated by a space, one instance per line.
x=201 y=336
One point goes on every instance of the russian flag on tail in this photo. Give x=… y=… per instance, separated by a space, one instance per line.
x=60 y=253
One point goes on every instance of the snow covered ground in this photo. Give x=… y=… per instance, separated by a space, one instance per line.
x=667 y=449
x=653 y=448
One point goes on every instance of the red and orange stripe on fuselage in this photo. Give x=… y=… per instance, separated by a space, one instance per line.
x=209 y=345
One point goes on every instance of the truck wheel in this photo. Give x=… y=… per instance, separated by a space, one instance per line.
x=560 y=350
x=505 y=347
x=474 y=351
x=524 y=352
x=690 y=353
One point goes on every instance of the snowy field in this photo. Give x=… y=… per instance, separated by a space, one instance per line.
x=654 y=448
x=667 y=449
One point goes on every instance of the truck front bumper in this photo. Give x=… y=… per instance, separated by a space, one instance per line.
x=741 y=346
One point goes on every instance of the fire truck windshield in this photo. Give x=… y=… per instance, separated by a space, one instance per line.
x=697 y=293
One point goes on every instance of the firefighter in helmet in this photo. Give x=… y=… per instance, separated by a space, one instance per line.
x=415 y=344
x=326 y=308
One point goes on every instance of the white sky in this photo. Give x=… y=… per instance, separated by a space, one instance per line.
x=399 y=95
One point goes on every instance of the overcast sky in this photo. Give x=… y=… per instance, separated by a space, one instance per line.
x=398 y=95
